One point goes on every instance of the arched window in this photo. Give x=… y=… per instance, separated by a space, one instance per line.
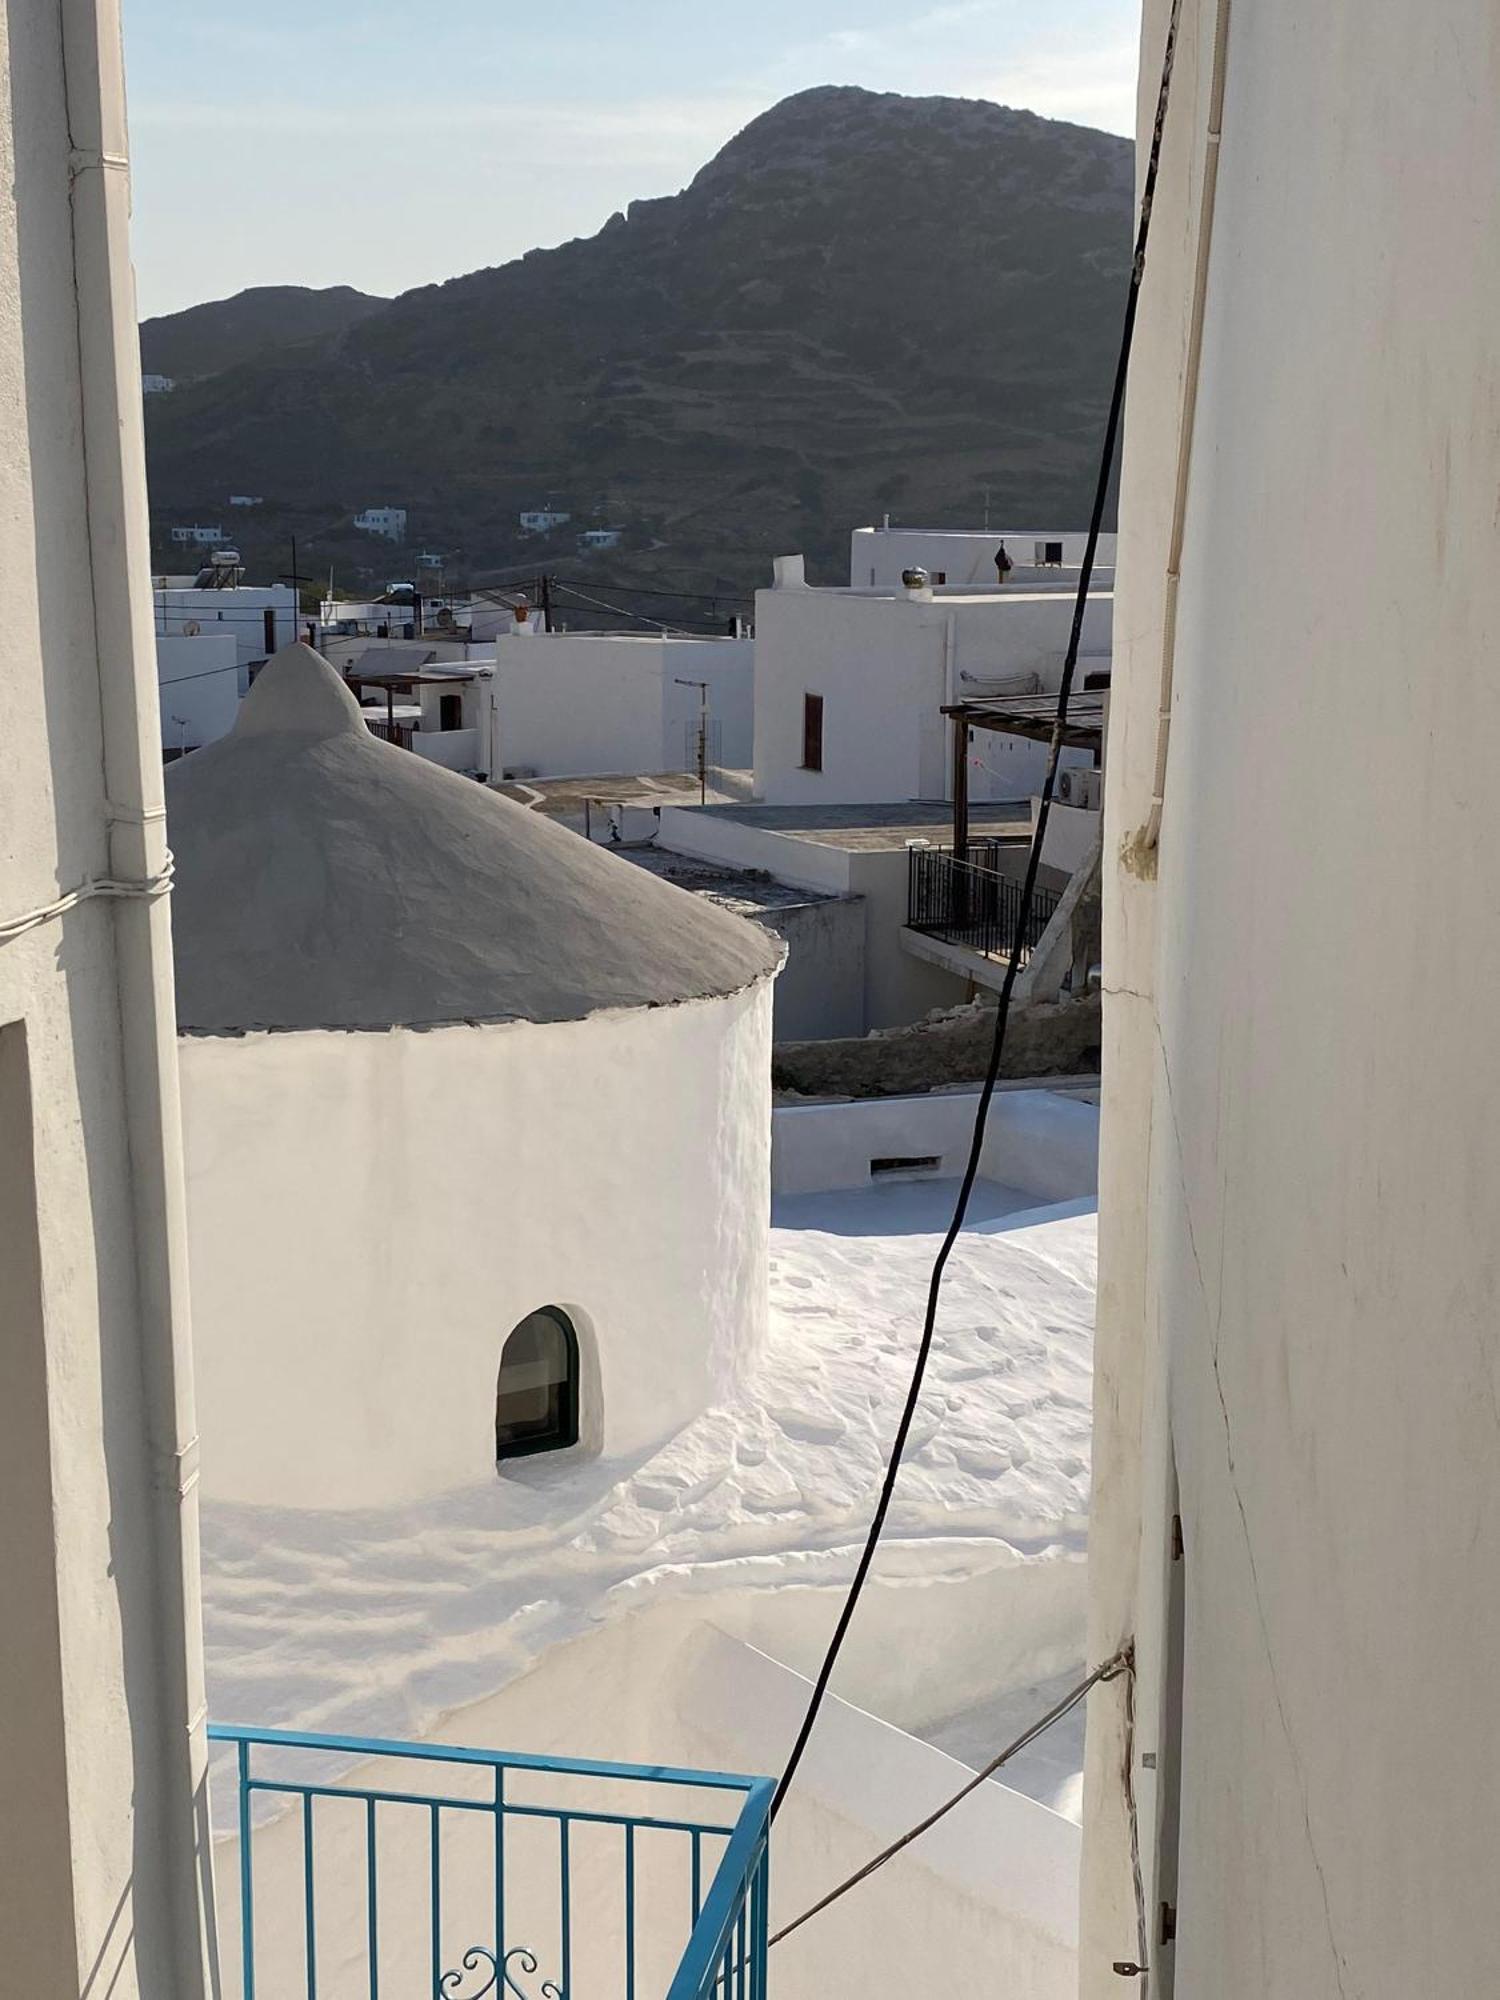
x=536 y=1397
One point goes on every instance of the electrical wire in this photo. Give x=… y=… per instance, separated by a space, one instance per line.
x=677 y=596
x=1023 y=918
x=106 y=885
x=1122 y=1663
x=207 y=674
x=614 y=610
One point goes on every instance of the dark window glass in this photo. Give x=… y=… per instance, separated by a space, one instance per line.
x=812 y=732
x=536 y=1397
x=450 y=711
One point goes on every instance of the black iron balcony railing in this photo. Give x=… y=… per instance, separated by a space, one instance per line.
x=971 y=903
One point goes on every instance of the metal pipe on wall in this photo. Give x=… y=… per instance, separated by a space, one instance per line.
x=177 y=1964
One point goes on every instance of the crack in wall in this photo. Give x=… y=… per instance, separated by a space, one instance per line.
x=1216 y=1317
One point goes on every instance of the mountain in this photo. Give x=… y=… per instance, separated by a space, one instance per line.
x=864 y=302
x=207 y=339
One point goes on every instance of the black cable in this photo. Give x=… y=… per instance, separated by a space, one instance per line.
x=1023 y=918
x=601 y=609
x=207 y=674
x=676 y=596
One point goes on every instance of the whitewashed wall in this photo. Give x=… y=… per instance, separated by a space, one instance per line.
x=877 y=556
x=991 y=1892
x=728 y=665
x=885 y=667
x=897 y=987
x=199 y=681
x=371 y=1214
x=573 y=704
x=1035 y=1140
x=101 y=1733
x=1300 y=1165
x=1072 y=836
x=241 y=612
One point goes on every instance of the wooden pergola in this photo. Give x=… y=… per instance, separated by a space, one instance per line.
x=1029 y=715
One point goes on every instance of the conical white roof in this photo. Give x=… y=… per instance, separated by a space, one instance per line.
x=326 y=879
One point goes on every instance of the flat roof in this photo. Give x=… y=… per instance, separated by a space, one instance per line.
x=880 y=826
x=959 y=594
x=745 y=891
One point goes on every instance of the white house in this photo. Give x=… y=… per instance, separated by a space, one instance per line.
x=581 y=703
x=964 y=559
x=157 y=385
x=261 y=617
x=593 y=539
x=850 y=687
x=102 y=1737
x=245 y=499
x=1296 y=1512
x=415 y=1011
x=542 y=520
x=387 y=522
x=199 y=682
x=199 y=535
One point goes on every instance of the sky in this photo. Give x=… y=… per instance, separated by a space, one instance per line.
x=390 y=143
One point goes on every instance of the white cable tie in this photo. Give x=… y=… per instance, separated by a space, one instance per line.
x=152 y=886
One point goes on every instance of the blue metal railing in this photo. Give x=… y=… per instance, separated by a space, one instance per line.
x=584 y=1877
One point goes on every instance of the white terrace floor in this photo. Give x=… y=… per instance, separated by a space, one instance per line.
x=385 y=1622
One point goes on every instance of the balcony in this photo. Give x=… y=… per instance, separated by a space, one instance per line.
x=969 y=903
x=369 y=1868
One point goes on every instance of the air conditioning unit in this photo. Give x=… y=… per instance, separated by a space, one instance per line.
x=1082 y=787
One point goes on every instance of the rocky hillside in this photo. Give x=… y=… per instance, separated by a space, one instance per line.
x=207 y=339
x=864 y=302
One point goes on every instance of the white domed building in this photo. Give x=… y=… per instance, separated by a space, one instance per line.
x=477 y=1120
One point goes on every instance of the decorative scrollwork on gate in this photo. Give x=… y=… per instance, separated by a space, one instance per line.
x=500 y=1978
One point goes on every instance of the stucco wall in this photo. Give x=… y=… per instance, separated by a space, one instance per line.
x=1300 y=1166
x=728 y=665
x=897 y=987
x=992 y=1887
x=370 y=1215
x=877 y=556
x=240 y=612
x=821 y=987
x=1035 y=1140
x=576 y=703
x=568 y=705
x=885 y=666
x=199 y=681
x=100 y=1665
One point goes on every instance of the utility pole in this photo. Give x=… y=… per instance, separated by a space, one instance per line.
x=545 y=593
x=296 y=580
x=702 y=687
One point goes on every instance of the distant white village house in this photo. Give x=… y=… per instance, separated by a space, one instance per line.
x=157 y=385
x=601 y=538
x=211 y=630
x=542 y=520
x=199 y=535
x=387 y=522
x=245 y=499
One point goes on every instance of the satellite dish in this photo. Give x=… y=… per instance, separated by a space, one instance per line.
x=191 y=629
